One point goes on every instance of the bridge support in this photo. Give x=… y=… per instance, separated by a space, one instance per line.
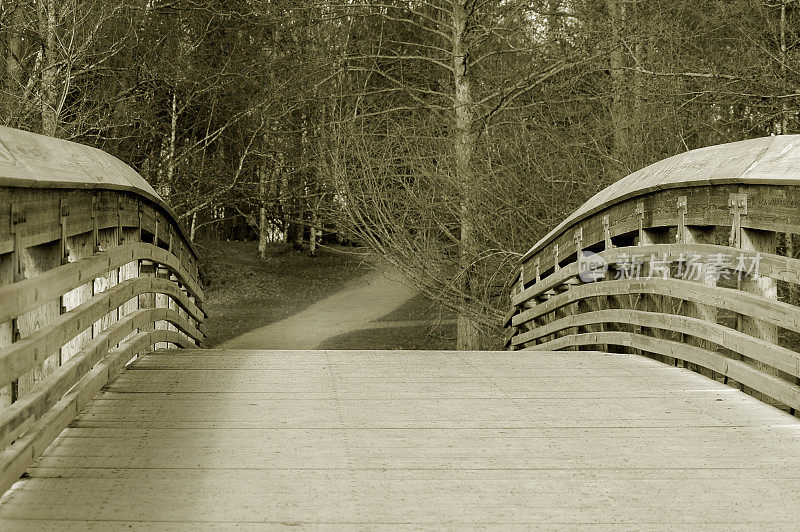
x=754 y=283
x=699 y=271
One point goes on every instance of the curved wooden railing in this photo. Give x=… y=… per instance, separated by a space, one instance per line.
x=94 y=270
x=690 y=261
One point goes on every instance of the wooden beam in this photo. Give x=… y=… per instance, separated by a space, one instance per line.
x=769 y=385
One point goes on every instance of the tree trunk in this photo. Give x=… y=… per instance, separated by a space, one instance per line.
x=312 y=241
x=47 y=32
x=193 y=229
x=166 y=188
x=784 y=104
x=288 y=236
x=299 y=229
x=619 y=118
x=11 y=60
x=262 y=219
x=463 y=149
x=553 y=25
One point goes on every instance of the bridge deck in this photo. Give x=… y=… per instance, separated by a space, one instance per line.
x=203 y=439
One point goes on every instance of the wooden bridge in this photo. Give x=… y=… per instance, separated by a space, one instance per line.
x=651 y=379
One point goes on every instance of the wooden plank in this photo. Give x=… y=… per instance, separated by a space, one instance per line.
x=758 y=241
x=704 y=273
x=6 y=327
x=770 y=265
x=774 y=312
x=51 y=389
x=37 y=260
x=15 y=459
x=771 y=386
x=771 y=355
x=23 y=355
x=32 y=163
x=558 y=440
x=25 y=296
x=773 y=210
x=694 y=168
x=78 y=248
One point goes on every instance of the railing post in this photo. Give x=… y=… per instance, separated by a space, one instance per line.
x=648 y=302
x=77 y=248
x=517 y=288
x=583 y=305
x=560 y=312
x=644 y=237
x=700 y=272
x=537 y=322
x=120 y=235
x=763 y=242
x=162 y=301
x=9 y=273
x=39 y=259
x=139 y=216
x=107 y=239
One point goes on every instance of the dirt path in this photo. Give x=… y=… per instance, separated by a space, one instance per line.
x=367 y=299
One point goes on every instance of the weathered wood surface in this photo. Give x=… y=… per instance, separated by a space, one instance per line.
x=770 y=208
x=770 y=265
x=77 y=229
x=32 y=161
x=696 y=248
x=200 y=440
x=26 y=295
x=33 y=406
x=771 y=160
x=18 y=456
x=772 y=355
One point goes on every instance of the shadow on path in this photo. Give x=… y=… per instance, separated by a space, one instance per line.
x=365 y=300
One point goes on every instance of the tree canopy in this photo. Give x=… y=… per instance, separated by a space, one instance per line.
x=447 y=135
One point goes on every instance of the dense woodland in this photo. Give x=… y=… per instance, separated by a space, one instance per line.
x=447 y=135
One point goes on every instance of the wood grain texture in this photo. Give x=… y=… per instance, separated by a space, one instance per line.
x=25 y=296
x=23 y=355
x=47 y=392
x=769 y=160
x=764 y=309
x=783 y=391
x=30 y=161
x=218 y=440
x=767 y=353
x=769 y=265
x=764 y=286
x=16 y=458
x=773 y=208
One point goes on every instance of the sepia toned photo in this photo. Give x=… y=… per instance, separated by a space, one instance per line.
x=399 y=265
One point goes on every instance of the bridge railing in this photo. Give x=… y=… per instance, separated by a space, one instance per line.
x=689 y=261
x=94 y=270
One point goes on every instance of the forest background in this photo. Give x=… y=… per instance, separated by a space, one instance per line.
x=446 y=135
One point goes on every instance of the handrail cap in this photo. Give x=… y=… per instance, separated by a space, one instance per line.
x=30 y=160
x=771 y=160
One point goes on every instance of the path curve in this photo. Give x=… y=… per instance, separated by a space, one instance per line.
x=364 y=300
